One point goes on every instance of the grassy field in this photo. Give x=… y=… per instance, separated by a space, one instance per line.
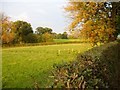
x=66 y=40
x=22 y=65
x=69 y=40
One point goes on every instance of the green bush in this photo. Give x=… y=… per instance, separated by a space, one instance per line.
x=96 y=68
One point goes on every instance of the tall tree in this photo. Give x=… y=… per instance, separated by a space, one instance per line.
x=7 y=28
x=95 y=18
x=42 y=30
x=22 y=29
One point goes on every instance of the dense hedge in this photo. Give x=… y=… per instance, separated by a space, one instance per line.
x=96 y=68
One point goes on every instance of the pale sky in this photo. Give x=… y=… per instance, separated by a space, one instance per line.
x=45 y=13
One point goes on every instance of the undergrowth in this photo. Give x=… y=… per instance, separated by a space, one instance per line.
x=96 y=68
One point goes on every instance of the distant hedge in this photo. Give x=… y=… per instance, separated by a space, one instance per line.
x=42 y=43
x=96 y=68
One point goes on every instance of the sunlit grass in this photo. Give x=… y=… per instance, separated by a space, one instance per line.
x=69 y=40
x=22 y=65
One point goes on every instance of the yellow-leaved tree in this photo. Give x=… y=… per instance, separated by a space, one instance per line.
x=93 y=19
x=7 y=27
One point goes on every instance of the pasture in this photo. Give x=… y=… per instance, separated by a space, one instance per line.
x=22 y=66
x=67 y=40
x=70 y=40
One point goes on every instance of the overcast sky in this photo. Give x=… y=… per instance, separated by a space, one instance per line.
x=45 y=13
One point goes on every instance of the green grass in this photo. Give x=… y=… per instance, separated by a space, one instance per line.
x=68 y=40
x=20 y=63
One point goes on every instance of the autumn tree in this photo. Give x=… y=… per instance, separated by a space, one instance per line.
x=47 y=37
x=22 y=29
x=93 y=19
x=7 y=28
x=74 y=34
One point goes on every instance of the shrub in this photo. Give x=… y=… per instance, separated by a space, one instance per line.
x=47 y=37
x=96 y=68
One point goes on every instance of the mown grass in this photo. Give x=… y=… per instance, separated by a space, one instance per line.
x=22 y=65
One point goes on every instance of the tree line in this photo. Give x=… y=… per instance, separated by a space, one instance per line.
x=21 y=32
x=99 y=22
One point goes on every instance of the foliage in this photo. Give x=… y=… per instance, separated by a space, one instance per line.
x=59 y=36
x=118 y=24
x=98 y=31
x=54 y=35
x=74 y=34
x=39 y=38
x=22 y=29
x=36 y=61
x=54 y=42
x=47 y=37
x=93 y=19
x=115 y=16
x=7 y=27
x=44 y=34
x=31 y=38
x=41 y=30
x=96 y=68
x=63 y=35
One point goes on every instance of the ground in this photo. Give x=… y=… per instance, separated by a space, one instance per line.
x=21 y=66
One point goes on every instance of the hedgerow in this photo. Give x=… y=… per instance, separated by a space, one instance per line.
x=42 y=43
x=96 y=68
